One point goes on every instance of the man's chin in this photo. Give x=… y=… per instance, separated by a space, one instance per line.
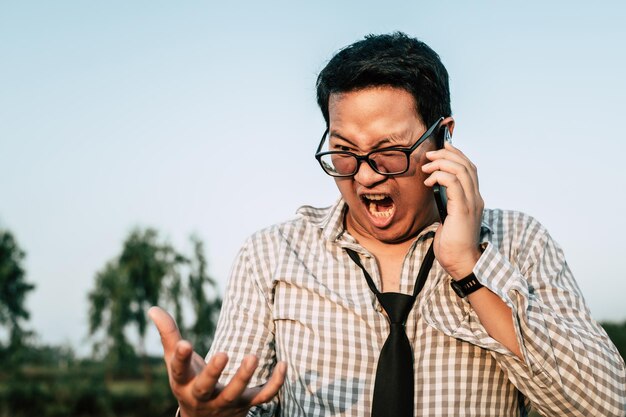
x=389 y=233
x=392 y=238
x=392 y=232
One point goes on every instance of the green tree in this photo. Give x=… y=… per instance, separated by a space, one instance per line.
x=110 y=310
x=124 y=289
x=13 y=291
x=152 y=275
x=206 y=311
x=148 y=272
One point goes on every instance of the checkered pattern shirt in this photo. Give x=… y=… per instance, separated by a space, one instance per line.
x=295 y=296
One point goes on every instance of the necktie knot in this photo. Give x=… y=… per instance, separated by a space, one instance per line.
x=396 y=305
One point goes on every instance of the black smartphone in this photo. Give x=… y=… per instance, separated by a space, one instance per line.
x=439 y=190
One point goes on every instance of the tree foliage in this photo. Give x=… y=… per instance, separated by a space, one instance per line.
x=150 y=272
x=206 y=311
x=13 y=290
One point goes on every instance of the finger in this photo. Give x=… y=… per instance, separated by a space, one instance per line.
x=447 y=149
x=180 y=364
x=271 y=387
x=450 y=147
x=457 y=199
x=453 y=154
x=231 y=394
x=470 y=187
x=204 y=386
x=167 y=328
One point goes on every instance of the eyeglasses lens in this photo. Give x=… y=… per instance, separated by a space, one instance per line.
x=384 y=162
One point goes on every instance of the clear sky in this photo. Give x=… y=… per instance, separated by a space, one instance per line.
x=200 y=117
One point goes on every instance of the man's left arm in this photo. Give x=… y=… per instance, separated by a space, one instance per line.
x=568 y=366
x=551 y=348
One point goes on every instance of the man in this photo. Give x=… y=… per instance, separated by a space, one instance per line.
x=499 y=323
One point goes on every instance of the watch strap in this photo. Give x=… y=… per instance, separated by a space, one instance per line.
x=466 y=286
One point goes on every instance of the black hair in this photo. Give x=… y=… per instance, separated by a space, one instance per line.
x=394 y=60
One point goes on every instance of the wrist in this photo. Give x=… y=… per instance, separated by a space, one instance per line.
x=466 y=267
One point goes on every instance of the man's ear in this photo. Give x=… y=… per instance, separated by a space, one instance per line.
x=449 y=121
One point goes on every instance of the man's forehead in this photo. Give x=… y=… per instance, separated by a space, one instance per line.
x=338 y=97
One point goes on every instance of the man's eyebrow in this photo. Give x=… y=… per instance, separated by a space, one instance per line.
x=338 y=136
x=386 y=140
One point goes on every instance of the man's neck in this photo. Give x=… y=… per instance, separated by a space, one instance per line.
x=389 y=250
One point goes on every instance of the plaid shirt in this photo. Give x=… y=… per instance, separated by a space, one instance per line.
x=295 y=296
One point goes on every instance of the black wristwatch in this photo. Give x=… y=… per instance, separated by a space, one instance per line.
x=466 y=286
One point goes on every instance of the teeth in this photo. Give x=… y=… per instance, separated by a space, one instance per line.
x=375 y=197
x=372 y=206
x=375 y=213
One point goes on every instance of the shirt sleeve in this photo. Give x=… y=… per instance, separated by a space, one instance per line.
x=245 y=326
x=570 y=365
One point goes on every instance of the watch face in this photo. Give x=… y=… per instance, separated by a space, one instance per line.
x=457 y=289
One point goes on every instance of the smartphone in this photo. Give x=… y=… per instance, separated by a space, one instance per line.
x=439 y=190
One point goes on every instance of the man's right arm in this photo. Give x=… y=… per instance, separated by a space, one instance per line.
x=245 y=332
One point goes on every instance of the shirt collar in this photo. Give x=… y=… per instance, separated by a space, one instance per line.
x=329 y=219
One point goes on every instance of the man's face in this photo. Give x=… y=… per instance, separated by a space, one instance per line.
x=387 y=209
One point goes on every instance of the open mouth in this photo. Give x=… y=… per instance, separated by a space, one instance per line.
x=379 y=205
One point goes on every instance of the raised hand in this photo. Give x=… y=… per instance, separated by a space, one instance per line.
x=456 y=241
x=195 y=384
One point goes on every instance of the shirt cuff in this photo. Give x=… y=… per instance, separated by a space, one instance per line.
x=494 y=271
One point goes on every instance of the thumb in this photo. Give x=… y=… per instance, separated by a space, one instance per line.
x=167 y=328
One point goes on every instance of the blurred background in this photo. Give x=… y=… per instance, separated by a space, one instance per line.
x=141 y=142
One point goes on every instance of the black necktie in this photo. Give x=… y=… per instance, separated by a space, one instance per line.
x=394 y=386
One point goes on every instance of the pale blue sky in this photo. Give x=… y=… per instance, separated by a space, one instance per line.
x=201 y=117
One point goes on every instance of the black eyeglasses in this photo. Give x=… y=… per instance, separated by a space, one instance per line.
x=386 y=161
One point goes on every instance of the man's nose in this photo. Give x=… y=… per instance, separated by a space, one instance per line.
x=366 y=176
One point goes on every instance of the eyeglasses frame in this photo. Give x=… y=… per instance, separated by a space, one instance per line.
x=359 y=158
